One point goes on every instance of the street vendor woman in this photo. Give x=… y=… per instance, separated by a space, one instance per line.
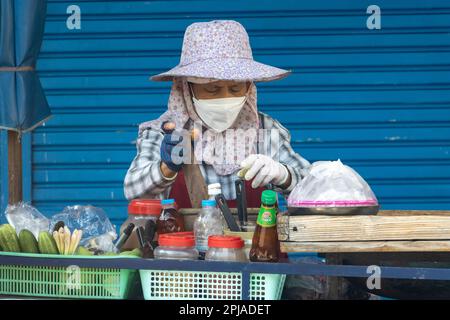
x=214 y=86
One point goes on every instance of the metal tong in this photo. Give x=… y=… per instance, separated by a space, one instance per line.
x=241 y=200
x=223 y=206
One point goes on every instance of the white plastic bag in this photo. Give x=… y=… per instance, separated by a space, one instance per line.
x=332 y=184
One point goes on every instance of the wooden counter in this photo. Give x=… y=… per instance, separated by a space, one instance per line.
x=388 y=231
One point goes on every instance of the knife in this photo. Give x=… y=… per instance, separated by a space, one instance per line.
x=124 y=236
x=149 y=233
x=140 y=236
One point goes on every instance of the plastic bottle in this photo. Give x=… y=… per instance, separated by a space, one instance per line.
x=170 y=219
x=265 y=246
x=208 y=223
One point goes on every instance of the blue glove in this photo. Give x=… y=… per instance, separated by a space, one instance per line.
x=170 y=141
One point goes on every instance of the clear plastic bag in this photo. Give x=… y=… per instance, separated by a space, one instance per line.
x=332 y=184
x=24 y=216
x=93 y=221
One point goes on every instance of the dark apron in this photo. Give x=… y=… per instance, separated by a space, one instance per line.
x=190 y=186
x=179 y=192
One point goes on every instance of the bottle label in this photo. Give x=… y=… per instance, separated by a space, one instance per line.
x=267 y=217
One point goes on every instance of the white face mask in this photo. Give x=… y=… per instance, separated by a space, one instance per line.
x=219 y=114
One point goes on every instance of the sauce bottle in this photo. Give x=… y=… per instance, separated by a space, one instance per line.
x=265 y=246
x=170 y=219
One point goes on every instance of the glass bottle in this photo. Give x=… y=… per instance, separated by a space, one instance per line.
x=265 y=246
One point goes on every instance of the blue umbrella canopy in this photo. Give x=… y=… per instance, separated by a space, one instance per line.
x=23 y=105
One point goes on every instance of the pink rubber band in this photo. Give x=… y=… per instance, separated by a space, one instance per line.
x=339 y=203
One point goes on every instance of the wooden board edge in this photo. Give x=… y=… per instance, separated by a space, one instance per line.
x=414 y=212
x=366 y=246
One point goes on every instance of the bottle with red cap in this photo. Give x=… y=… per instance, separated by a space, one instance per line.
x=139 y=212
x=225 y=248
x=177 y=245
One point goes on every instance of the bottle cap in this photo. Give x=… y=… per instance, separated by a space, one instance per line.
x=176 y=240
x=231 y=242
x=167 y=201
x=214 y=189
x=145 y=207
x=183 y=233
x=209 y=203
x=214 y=186
x=269 y=197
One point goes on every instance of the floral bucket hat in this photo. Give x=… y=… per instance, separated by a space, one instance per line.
x=219 y=50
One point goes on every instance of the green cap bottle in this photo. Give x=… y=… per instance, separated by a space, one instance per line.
x=269 y=197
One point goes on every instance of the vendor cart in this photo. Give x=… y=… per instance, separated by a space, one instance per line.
x=117 y=277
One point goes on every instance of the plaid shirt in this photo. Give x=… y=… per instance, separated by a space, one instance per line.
x=145 y=180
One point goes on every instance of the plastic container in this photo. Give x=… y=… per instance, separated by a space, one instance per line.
x=170 y=220
x=209 y=222
x=139 y=212
x=65 y=282
x=247 y=236
x=178 y=246
x=226 y=248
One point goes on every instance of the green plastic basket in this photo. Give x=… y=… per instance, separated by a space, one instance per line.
x=193 y=285
x=65 y=282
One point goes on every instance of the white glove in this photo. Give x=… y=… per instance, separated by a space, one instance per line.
x=264 y=170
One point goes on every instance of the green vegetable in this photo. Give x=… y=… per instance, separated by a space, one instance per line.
x=47 y=244
x=135 y=252
x=82 y=251
x=8 y=239
x=28 y=242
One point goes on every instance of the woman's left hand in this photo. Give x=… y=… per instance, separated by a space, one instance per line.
x=263 y=170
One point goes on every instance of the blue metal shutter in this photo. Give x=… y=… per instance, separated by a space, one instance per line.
x=377 y=99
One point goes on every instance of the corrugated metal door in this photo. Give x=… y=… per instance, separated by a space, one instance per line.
x=377 y=99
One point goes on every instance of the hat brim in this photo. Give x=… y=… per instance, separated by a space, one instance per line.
x=225 y=69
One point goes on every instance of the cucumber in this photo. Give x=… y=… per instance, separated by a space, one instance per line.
x=28 y=242
x=46 y=243
x=8 y=239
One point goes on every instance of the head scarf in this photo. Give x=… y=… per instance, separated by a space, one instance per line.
x=211 y=147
